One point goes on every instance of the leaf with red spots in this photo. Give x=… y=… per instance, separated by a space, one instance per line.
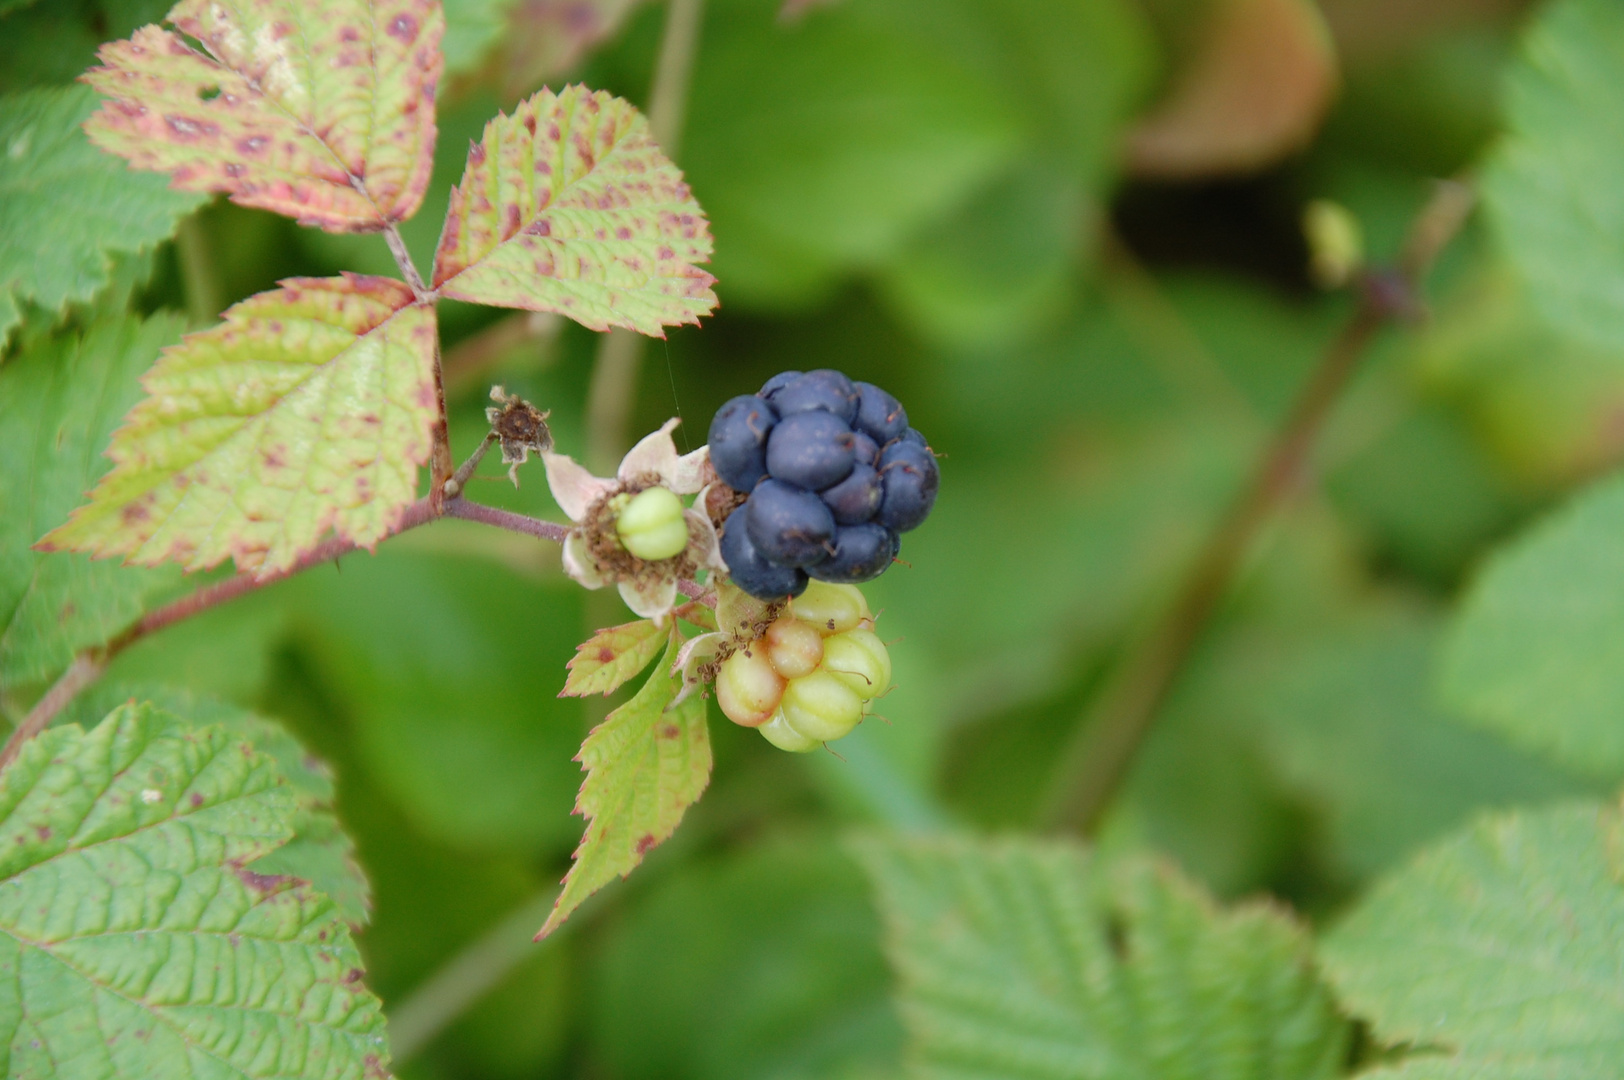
x=308 y=409
x=646 y=764
x=569 y=206
x=140 y=933
x=608 y=658
x=323 y=111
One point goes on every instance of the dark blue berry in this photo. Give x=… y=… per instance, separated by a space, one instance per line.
x=811 y=450
x=909 y=477
x=738 y=440
x=787 y=524
x=752 y=573
x=856 y=498
x=862 y=552
x=865 y=449
x=824 y=389
x=879 y=414
x=777 y=383
x=913 y=436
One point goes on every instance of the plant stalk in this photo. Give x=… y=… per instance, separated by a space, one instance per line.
x=1100 y=753
x=614 y=370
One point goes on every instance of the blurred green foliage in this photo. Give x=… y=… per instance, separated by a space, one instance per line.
x=931 y=196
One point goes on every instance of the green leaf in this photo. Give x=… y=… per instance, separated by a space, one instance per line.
x=645 y=766
x=59 y=401
x=610 y=236
x=471 y=28
x=308 y=409
x=804 y=177
x=69 y=209
x=1537 y=650
x=1021 y=958
x=173 y=958
x=753 y=963
x=1552 y=185
x=319 y=851
x=321 y=111
x=1503 y=945
x=447 y=668
x=608 y=658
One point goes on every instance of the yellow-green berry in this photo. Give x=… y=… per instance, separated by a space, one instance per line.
x=832 y=609
x=748 y=689
x=821 y=706
x=794 y=647
x=778 y=732
x=859 y=659
x=652 y=526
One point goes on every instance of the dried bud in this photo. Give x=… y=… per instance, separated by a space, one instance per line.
x=520 y=427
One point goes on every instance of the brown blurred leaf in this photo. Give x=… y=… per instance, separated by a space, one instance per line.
x=1253 y=93
x=549 y=37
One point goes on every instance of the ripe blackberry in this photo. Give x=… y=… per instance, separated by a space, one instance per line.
x=832 y=473
x=749 y=569
x=738 y=440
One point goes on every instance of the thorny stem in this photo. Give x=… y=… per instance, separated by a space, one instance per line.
x=1100 y=753
x=88 y=666
x=459 y=479
x=441 y=468
x=614 y=370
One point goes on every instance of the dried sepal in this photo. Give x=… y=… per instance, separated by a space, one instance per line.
x=519 y=428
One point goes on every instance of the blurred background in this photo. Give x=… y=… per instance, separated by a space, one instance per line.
x=1069 y=235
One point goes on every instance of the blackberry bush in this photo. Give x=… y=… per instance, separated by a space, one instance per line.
x=832 y=474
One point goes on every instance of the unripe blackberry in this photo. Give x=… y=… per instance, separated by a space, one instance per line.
x=795 y=648
x=651 y=525
x=832 y=609
x=748 y=689
x=778 y=732
x=821 y=706
x=859 y=659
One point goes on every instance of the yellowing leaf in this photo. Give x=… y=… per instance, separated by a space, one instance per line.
x=608 y=658
x=569 y=206
x=1255 y=92
x=308 y=409
x=323 y=111
x=645 y=767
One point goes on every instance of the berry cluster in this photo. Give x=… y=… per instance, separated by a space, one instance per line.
x=833 y=473
x=809 y=678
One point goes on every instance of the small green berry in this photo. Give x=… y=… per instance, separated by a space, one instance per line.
x=821 y=707
x=748 y=689
x=833 y=609
x=652 y=526
x=794 y=647
x=859 y=659
x=778 y=732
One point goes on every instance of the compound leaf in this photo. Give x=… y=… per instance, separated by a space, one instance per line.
x=645 y=766
x=1021 y=958
x=1552 y=185
x=1503 y=944
x=308 y=409
x=319 y=851
x=321 y=111
x=173 y=958
x=608 y=658
x=1537 y=651
x=68 y=207
x=569 y=206
x=59 y=401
